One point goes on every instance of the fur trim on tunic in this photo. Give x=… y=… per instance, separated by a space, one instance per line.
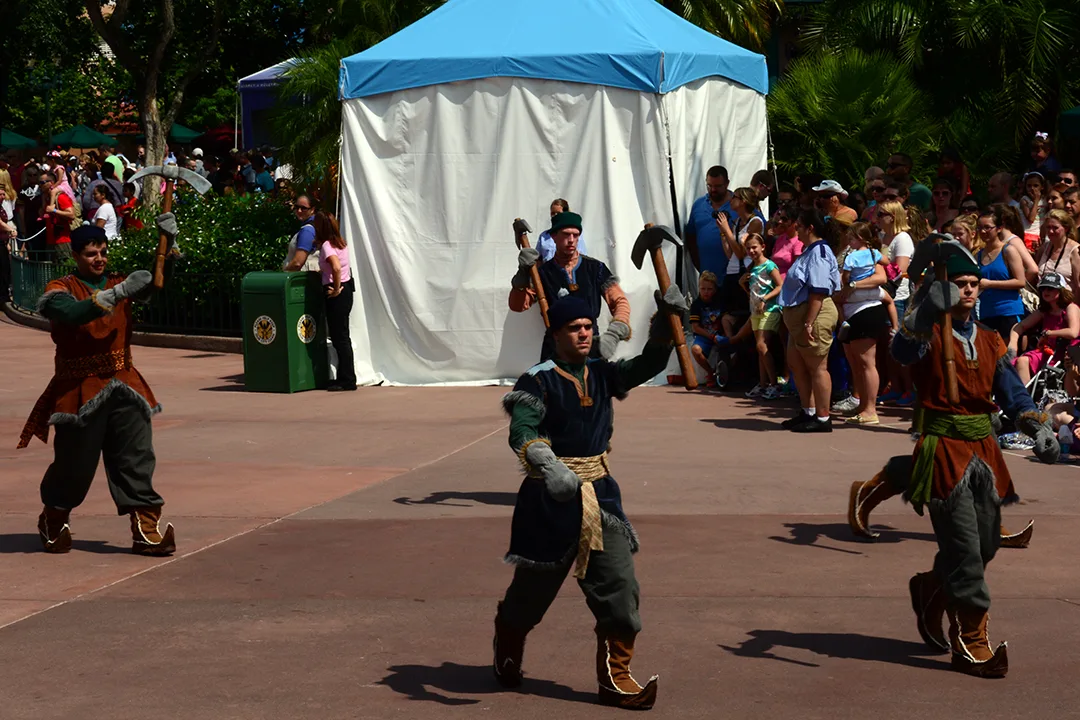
x=611 y=281
x=623 y=527
x=518 y=561
x=44 y=299
x=510 y=399
x=98 y=400
x=978 y=479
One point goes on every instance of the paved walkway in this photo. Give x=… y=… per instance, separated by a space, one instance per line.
x=340 y=558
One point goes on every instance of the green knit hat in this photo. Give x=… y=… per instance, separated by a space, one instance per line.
x=959 y=264
x=565 y=220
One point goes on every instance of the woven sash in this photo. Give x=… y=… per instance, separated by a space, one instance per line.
x=589 y=469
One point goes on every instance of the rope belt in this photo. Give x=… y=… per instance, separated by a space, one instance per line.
x=589 y=469
x=91 y=365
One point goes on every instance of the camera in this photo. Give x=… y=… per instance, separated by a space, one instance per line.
x=715 y=214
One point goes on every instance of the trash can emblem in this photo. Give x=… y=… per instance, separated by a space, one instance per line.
x=306 y=329
x=264 y=330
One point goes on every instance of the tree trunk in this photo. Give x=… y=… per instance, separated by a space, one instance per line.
x=154 y=130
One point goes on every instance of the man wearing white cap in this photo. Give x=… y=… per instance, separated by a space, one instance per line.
x=830 y=200
x=197 y=153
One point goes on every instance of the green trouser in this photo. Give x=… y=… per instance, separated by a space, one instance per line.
x=119 y=433
x=611 y=590
x=968 y=529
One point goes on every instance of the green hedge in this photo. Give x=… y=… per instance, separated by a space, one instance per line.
x=218 y=234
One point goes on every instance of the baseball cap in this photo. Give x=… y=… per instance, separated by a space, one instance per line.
x=832 y=187
x=1052 y=281
x=197 y=152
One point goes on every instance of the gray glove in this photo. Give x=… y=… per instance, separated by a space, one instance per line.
x=933 y=298
x=673 y=301
x=561 y=482
x=526 y=259
x=609 y=341
x=166 y=223
x=1046 y=444
x=131 y=286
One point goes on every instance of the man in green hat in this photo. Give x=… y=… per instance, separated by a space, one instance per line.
x=569 y=508
x=580 y=276
x=958 y=469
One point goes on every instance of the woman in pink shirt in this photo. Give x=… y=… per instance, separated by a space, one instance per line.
x=788 y=246
x=337 y=279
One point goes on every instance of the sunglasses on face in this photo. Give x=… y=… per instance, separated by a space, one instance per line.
x=877 y=188
x=302 y=207
x=1067 y=180
x=969 y=208
x=890 y=196
x=942 y=193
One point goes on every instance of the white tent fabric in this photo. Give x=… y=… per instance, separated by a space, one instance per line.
x=432 y=178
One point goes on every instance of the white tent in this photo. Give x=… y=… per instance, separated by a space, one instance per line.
x=486 y=110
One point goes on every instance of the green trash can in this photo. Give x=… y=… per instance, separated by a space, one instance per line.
x=284 y=332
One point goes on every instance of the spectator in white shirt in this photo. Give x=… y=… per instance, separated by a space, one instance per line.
x=105 y=216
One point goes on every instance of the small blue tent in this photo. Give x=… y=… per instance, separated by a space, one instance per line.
x=632 y=44
x=258 y=95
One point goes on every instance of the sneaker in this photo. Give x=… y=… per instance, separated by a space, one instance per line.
x=754 y=391
x=905 y=400
x=813 y=426
x=797 y=420
x=889 y=397
x=846 y=406
x=863 y=420
x=771 y=393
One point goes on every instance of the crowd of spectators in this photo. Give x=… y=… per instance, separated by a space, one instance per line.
x=804 y=303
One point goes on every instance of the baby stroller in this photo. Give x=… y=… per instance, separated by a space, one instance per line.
x=1046 y=388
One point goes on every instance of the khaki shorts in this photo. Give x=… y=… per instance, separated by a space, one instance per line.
x=824 y=324
x=769 y=321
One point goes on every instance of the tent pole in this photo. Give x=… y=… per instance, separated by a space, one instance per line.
x=235 y=122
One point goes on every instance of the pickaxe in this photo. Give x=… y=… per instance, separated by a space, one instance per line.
x=171 y=173
x=651 y=241
x=936 y=249
x=521 y=239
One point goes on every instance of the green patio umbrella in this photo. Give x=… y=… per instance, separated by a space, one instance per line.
x=15 y=141
x=183 y=135
x=1070 y=122
x=81 y=136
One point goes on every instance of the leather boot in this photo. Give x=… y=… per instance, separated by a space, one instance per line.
x=618 y=688
x=146 y=535
x=929 y=603
x=864 y=497
x=1017 y=540
x=54 y=530
x=509 y=647
x=971 y=645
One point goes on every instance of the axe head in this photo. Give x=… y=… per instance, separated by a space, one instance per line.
x=653 y=236
x=521 y=227
x=174 y=173
x=935 y=248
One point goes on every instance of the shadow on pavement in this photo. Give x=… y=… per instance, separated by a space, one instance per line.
x=421 y=682
x=24 y=543
x=441 y=498
x=802 y=533
x=236 y=384
x=847 y=646
x=743 y=423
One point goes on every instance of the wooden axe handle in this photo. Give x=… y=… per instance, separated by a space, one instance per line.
x=687 y=365
x=952 y=389
x=163 y=241
x=537 y=285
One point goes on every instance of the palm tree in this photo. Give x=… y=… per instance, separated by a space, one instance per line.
x=743 y=22
x=840 y=113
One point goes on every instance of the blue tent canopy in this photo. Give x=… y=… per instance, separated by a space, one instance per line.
x=633 y=44
x=258 y=94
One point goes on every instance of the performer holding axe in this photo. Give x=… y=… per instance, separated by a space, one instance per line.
x=569 y=507
x=577 y=275
x=99 y=404
x=960 y=371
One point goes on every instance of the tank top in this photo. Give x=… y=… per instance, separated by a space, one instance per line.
x=1059 y=261
x=733 y=266
x=998 y=303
